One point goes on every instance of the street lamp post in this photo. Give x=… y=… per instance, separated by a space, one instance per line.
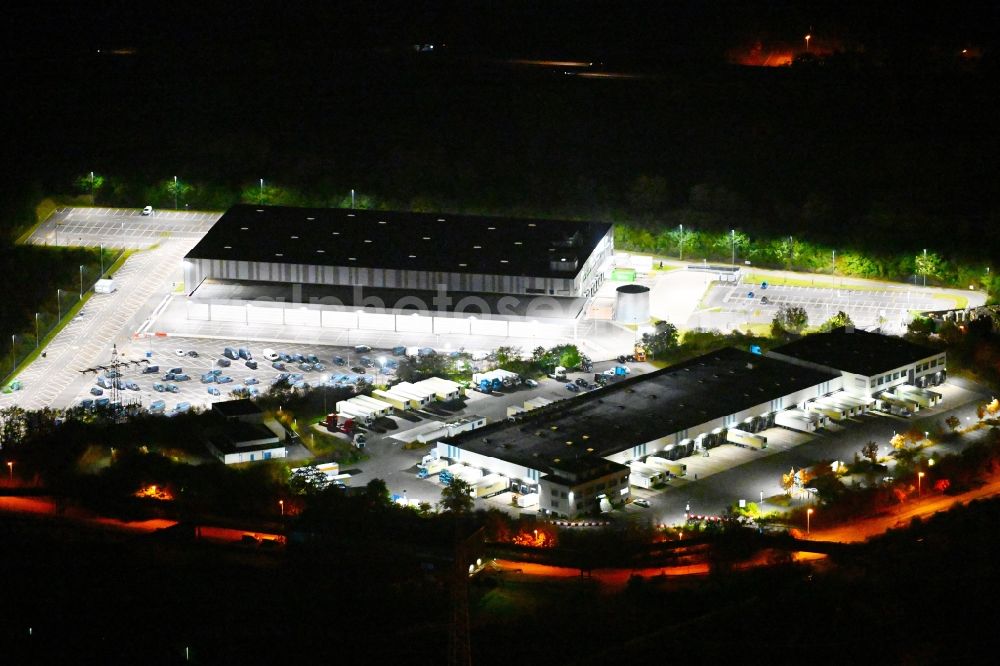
x=833 y=263
x=681 y=244
x=59 y=302
x=175 y=192
x=924 y=267
x=732 y=233
x=81 y=282
x=91 y=187
x=10 y=468
x=808 y=37
x=36 y=330
x=261 y=190
x=101 y=246
x=352 y=197
x=809 y=513
x=920 y=478
x=281 y=503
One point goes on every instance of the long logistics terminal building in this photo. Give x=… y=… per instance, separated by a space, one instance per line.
x=574 y=452
x=397 y=272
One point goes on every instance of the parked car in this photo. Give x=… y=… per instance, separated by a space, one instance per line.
x=367 y=362
x=223 y=379
x=399 y=351
x=572 y=387
x=131 y=386
x=102 y=402
x=298 y=358
x=287 y=358
x=148 y=210
x=251 y=380
x=644 y=503
x=358 y=370
x=764 y=300
x=180 y=352
x=362 y=349
x=531 y=382
x=216 y=372
x=294 y=377
x=305 y=367
x=337 y=360
x=168 y=377
x=151 y=370
x=580 y=381
x=229 y=352
x=251 y=364
x=159 y=388
x=319 y=367
x=87 y=403
x=278 y=365
x=224 y=362
x=311 y=358
x=193 y=354
x=173 y=388
x=208 y=378
x=181 y=377
x=176 y=371
x=96 y=391
x=157 y=406
x=270 y=355
x=244 y=353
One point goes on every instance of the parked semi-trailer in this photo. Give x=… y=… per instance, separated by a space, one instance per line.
x=431 y=467
x=744 y=438
x=490 y=485
x=664 y=465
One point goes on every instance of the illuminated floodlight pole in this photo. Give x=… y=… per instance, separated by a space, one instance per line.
x=681 y=243
x=91 y=187
x=352 y=197
x=175 y=192
x=809 y=513
x=261 y=190
x=81 y=281
x=36 y=330
x=920 y=478
x=59 y=302
x=732 y=233
x=808 y=37
x=833 y=263
x=924 y=267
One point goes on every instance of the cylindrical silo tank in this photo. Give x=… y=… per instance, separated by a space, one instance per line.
x=632 y=304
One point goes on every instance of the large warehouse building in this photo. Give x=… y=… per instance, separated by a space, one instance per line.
x=392 y=271
x=574 y=451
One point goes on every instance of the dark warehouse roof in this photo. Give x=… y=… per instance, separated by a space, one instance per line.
x=640 y=409
x=856 y=351
x=399 y=240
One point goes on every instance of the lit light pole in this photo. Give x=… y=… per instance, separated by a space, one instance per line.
x=681 y=243
x=352 y=197
x=102 y=258
x=36 y=330
x=261 y=190
x=281 y=503
x=81 y=282
x=175 y=192
x=809 y=513
x=924 y=267
x=920 y=478
x=808 y=37
x=91 y=187
x=13 y=364
x=10 y=468
x=324 y=378
x=732 y=233
x=59 y=302
x=791 y=251
x=833 y=263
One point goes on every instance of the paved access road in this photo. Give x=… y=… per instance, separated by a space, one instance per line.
x=120 y=227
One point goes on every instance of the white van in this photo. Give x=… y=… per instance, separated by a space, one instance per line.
x=148 y=210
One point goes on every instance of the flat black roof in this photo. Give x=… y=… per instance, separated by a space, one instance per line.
x=400 y=240
x=234 y=408
x=639 y=409
x=856 y=351
x=370 y=298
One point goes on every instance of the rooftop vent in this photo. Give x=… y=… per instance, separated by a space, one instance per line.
x=427 y=237
x=350 y=215
x=491 y=228
x=244 y=228
x=336 y=233
x=227 y=247
x=320 y=251
x=260 y=210
x=504 y=261
x=382 y=222
x=531 y=224
x=518 y=243
x=413 y=256
x=294 y=237
x=278 y=254
x=352 y=258
x=463 y=265
x=440 y=219
x=477 y=247
x=368 y=240
x=310 y=218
